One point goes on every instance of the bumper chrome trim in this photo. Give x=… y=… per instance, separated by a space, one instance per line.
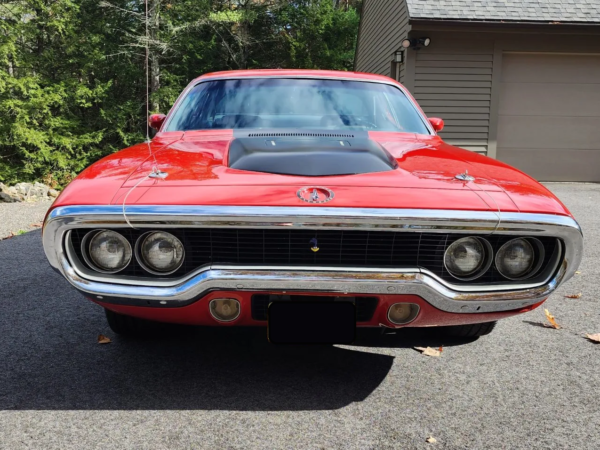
x=444 y=296
x=415 y=283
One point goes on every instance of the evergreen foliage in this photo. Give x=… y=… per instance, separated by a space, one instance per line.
x=72 y=72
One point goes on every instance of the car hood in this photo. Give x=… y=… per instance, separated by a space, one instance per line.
x=196 y=169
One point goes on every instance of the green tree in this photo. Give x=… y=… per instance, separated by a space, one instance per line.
x=73 y=78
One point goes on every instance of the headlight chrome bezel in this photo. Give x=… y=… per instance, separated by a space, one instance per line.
x=86 y=249
x=538 y=253
x=144 y=264
x=488 y=258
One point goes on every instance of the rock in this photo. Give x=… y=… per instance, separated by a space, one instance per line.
x=4 y=197
x=8 y=190
x=23 y=188
x=27 y=191
x=39 y=190
x=9 y=194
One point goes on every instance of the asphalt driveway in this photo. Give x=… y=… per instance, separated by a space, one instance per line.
x=523 y=386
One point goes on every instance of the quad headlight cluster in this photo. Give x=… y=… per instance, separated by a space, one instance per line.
x=470 y=257
x=158 y=252
x=161 y=253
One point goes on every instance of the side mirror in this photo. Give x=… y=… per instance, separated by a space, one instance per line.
x=436 y=123
x=156 y=121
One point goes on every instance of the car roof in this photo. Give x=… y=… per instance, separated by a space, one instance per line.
x=359 y=76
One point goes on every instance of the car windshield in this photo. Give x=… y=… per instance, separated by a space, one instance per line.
x=296 y=103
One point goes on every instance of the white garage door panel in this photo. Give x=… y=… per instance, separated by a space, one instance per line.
x=550 y=99
x=550 y=68
x=571 y=133
x=549 y=116
x=555 y=165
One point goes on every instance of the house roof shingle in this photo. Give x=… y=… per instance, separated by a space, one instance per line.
x=509 y=10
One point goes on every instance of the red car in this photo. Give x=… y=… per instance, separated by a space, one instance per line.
x=313 y=202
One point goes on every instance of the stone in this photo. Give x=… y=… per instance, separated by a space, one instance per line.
x=23 y=188
x=31 y=192
x=38 y=190
x=4 y=197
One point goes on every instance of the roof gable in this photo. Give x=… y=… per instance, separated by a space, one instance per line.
x=508 y=10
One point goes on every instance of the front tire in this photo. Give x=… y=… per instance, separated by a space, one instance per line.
x=468 y=331
x=125 y=325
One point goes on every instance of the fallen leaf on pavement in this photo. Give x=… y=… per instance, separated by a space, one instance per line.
x=428 y=351
x=36 y=225
x=594 y=337
x=577 y=272
x=441 y=349
x=574 y=295
x=103 y=339
x=550 y=318
x=431 y=440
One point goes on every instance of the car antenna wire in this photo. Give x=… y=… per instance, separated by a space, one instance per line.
x=467 y=180
x=155 y=173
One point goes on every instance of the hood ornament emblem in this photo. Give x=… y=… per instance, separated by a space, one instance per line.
x=464 y=176
x=315 y=194
x=315 y=245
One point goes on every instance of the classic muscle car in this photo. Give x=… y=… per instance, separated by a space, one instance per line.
x=269 y=195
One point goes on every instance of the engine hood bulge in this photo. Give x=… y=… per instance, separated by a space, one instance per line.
x=203 y=160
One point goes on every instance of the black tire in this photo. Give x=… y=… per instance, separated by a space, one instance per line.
x=467 y=331
x=125 y=325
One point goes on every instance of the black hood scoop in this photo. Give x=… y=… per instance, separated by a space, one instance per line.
x=312 y=154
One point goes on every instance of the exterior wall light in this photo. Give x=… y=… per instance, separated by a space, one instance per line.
x=416 y=43
x=399 y=56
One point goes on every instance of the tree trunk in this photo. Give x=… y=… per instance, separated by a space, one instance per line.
x=153 y=28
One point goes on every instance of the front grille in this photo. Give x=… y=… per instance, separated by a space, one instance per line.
x=293 y=247
x=365 y=306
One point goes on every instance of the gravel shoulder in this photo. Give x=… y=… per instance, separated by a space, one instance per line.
x=22 y=216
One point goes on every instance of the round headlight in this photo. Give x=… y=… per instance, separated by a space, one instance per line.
x=160 y=253
x=108 y=251
x=516 y=259
x=467 y=258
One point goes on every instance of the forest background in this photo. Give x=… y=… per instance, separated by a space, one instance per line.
x=73 y=79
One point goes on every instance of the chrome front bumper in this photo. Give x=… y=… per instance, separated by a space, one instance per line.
x=442 y=295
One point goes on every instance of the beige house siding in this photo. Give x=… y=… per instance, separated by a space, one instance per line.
x=453 y=80
x=449 y=79
x=384 y=24
x=458 y=77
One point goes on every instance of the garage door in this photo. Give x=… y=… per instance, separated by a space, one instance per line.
x=549 y=116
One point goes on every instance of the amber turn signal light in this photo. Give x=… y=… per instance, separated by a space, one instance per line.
x=403 y=313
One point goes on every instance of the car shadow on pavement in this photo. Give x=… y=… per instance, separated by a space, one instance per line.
x=410 y=338
x=188 y=368
x=50 y=360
